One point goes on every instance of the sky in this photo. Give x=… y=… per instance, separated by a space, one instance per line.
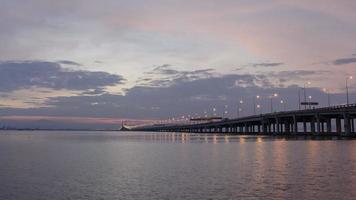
x=91 y=64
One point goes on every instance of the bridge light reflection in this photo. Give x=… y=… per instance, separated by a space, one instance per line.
x=226 y=139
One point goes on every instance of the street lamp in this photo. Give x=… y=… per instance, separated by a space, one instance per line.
x=254 y=103
x=225 y=110
x=271 y=97
x=238 y=108
x=225 y=113
x=309 y=97
x=284 y=105
x=305 y=93
x=328 y=93
x=259 y=107
x=347 y=89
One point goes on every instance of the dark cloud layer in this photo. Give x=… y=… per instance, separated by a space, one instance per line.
x=183 y=95
x=268 y=64
x=68 y=62
x=297 y=74
x=180 y=98
x=24 y=74
x=165 y=75
x=344 y=61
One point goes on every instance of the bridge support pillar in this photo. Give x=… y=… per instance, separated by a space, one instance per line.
x=304 y=126
x=347 y=124
x=352 y=125
x=295 y=124
x=312 y=126
x=328 y=125
x=318 y=128
x=270 y=128
x=338 y=125
x=287 y=127
x=277 y=127
x=273 y=127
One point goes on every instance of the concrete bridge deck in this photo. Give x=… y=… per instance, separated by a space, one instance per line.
x=335 y=120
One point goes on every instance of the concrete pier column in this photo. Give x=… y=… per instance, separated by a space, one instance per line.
x=277 y=126
x=318 y=128
x=328 y=125
x=269 y=128
x=304 y=126
x=287 y=127
x=295 y=124
x=264 y=127
x=312 y=126
x=347 y=124
x=352 y=125
x=338 y=125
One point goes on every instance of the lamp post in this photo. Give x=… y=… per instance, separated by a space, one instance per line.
x=328 y=94
x=259 y=107
x=225 y=111
x=271 y=97
x=298 y=99
x=238 y=108
x=309 y=97
x=347 y=89
x=305 y=93
x=254 y=103
x=284 y=105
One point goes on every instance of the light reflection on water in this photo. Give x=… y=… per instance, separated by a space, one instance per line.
x=111 y=165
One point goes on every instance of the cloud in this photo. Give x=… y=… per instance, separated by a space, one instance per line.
x=180 y=97
x=166 y=75
x=68 y=62
x=25 y=74
x=164 y=70
x=344 y=61
x=267 y=64
x=295 y=75
x=141 y=102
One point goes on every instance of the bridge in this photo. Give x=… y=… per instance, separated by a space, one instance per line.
x=334 y=120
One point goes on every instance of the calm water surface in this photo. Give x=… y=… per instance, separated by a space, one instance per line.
x=110 y=165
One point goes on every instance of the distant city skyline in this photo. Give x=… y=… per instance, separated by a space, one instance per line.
x=85 y=63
